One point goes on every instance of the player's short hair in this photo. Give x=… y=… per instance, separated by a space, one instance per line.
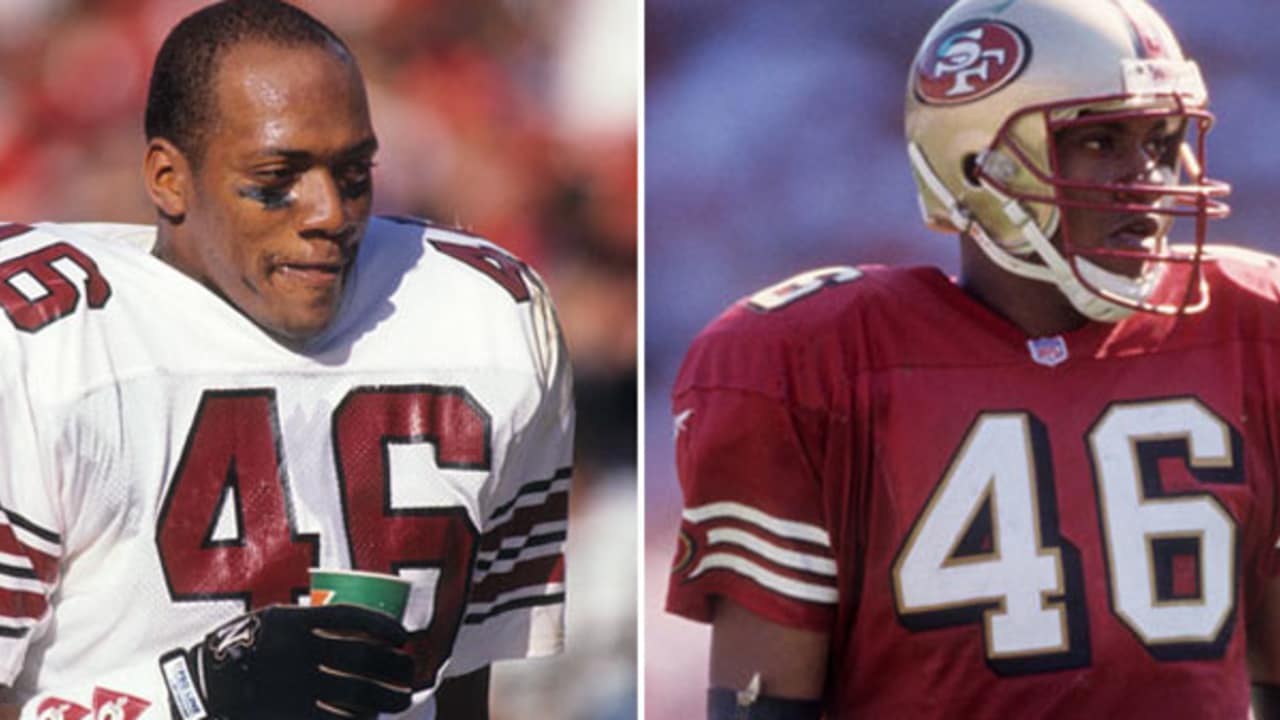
x=181 y=106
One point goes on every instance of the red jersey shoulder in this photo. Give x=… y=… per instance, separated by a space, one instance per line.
x=803 y=332
x=1242 y=273
x=814 y=296
x=816 y=300
x=1244 y=295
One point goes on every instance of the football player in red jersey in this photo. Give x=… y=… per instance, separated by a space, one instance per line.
x=1043 y=490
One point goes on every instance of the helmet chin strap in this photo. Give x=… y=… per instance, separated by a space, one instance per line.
x=1054 y=270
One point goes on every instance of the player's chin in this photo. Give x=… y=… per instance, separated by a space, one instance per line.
x=298 y=325
x=1132 y=268
x=1127 y=261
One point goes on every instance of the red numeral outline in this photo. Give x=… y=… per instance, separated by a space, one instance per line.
x=504 y=269
x=386 y=539
x=498 y=265
x=11 y=230
x=61 y=294
x=232 y=460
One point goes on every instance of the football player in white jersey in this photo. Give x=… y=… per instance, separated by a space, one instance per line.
x=194 y=415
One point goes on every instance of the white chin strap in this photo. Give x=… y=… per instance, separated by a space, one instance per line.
x=1055 y=269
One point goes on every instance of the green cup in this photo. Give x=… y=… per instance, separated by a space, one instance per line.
x=387 y=593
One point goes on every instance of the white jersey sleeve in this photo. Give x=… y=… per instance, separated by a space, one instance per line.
x=516 y=604
x=43 y=281
x=30 y=537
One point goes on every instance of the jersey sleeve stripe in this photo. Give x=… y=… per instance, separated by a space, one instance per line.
x=33 y=553
x=17 y=571
x=49 y=536
x=804 y=562
x=17 y=623
x=15 y=559
x=790 y=587
x=21 y=584
x=516 y=549
x=549 y=590
x=520 y=559
x=535 y=550
x=36 y=545
x=533 y=493
x=527 y=521
x=532 y=601
x=21 y=606
x=537 y=566
x=40 y=566
x=507 y=566
x=744 y=513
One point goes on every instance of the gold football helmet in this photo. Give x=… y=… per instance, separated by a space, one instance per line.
x=992 y=83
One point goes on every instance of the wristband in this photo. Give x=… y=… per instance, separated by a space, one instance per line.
x=185 y=702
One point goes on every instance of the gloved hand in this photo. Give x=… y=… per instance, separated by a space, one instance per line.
x=336 y=661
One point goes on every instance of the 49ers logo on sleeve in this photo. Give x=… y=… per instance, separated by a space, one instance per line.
x=970 y=61
x=55 y=708
x=113 y=705
x=107 y=705
x=685 y=552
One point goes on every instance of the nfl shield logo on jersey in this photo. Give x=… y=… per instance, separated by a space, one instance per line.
x=1048 y=351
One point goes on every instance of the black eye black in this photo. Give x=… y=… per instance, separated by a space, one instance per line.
x=355 y=178
x=358 y=170
x=270 y=197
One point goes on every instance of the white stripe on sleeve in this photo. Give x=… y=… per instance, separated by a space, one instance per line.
x=769 y=579
x=745 y=513
x=805 y=562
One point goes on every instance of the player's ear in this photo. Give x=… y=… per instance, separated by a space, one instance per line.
x=167 y=175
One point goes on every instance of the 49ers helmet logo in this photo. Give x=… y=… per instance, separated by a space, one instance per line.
x=970 y=61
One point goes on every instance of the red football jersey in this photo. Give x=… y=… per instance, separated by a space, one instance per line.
x=987 y=525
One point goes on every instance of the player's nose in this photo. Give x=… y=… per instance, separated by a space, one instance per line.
x=1141 y=176
x=323 y=208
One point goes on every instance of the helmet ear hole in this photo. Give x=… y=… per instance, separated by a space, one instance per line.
x=970 y=166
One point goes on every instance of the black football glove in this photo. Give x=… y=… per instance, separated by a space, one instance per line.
x=336 y=661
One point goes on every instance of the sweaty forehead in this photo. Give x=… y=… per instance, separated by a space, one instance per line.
x=276 y=96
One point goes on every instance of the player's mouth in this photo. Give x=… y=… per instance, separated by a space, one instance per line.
x=1135 y=233
x=1128 y=243
x=323 y=275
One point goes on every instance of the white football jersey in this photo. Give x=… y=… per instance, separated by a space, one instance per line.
x=165 y=465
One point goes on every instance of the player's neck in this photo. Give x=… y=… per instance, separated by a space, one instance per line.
x=169 y=250
x=1039 y=309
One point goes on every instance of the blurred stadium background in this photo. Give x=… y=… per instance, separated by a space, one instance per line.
x=773 y=143
x=513 y=118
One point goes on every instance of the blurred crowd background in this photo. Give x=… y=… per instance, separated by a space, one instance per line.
x=773 y=143
x=515 y=119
